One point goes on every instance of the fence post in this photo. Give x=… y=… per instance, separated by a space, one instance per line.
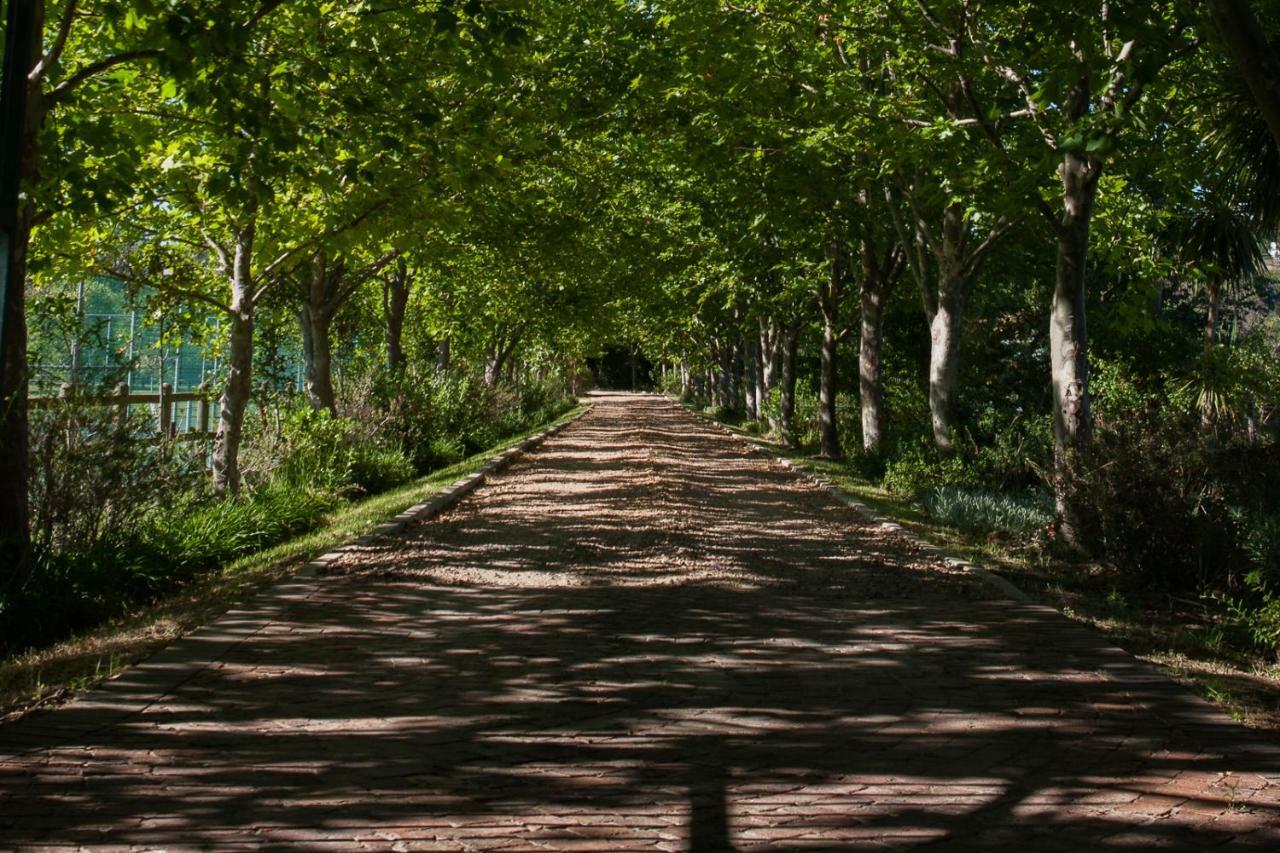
x=122 y=391
x=165 y=404
x=203 y=424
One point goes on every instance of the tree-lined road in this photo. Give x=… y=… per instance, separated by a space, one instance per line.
x=642 y=636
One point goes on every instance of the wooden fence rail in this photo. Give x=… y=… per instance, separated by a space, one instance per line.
x=164 y=401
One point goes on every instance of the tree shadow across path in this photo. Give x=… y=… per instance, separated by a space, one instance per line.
x=645 y=638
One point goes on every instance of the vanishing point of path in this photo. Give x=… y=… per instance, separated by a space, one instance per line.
x=642 y=636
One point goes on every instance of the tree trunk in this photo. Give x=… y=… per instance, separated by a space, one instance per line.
x=829 y=303
x=1211 y=324
x=15 y=534
x=1255 y=59
x=1208 y=413
x=235 y=396
x=726 y=376
x=758 y=391
x=770 y=368
x=321 y=297
x=870 y=380
x=787 y=388
x=395 y=302
x=1068 y=348
x=443 y=356
x=23 y=113
x=317 y=358
x=736 y=399
x=750 y=388
x=828 y=429
x=233 y=404
x=944 y=364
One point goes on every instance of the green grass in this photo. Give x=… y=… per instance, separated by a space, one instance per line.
x=58 y=671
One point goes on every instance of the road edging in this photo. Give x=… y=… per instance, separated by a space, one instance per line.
x=884 y=522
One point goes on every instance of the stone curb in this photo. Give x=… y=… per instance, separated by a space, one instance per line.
x=884 y=523
x=141 y=685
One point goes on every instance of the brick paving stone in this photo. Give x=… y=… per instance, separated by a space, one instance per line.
x=641 y=637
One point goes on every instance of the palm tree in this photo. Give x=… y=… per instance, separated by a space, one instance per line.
x=1224 y=244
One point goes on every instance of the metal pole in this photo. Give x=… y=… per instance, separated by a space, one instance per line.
x=75 y=340
x=133 y=319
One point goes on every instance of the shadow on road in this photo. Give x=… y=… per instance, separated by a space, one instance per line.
x=531 y=673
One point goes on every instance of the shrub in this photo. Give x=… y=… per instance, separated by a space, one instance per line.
x=122 y=520
x=1259 y=533
x=94 y=475
x=324 y=453
x=919 y=469
x=75 y=589
x=1175 y=506
x=376 y=469
x=806 y=416
x=445 y=450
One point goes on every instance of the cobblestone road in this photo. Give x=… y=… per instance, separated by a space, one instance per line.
x=641 y=637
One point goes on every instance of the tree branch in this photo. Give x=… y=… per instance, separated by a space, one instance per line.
x=165 y=287
x=59 y=44
x=64 y=89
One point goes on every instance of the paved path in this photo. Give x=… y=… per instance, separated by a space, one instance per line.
x=642 y=637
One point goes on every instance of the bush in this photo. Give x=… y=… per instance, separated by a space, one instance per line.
x=75 y=589
x=806 y=416
x=327 y=454
x=376 y=469
x=1176 y=506
x=121 y=520
x=919 y=470
x=1259 y=532
x=443 y=418
x=94 y=475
